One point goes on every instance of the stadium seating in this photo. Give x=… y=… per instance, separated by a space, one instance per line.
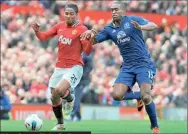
x=27 y=63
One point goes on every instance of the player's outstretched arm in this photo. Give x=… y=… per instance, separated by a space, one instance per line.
x=95 y=36
x=44 y=35
x=147 y=27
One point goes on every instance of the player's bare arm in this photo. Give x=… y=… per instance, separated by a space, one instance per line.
x=93 y=39
x=148 y=27
x=85 y=35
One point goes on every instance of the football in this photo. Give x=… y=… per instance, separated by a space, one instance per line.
x=33 y=123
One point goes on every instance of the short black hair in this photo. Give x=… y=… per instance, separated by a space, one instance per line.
x=122 y=4
x=73 y=6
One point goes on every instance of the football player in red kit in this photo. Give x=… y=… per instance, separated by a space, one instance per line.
x=69 y=65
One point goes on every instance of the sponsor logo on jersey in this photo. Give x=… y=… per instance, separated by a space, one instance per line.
x=74 y=32
x=122 y=37
x=65 y=40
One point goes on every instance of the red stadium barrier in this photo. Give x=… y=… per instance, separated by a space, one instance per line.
x=21 y=111
x=97 y=15
x=44 y=111
x=131 y=113
x=23 y=9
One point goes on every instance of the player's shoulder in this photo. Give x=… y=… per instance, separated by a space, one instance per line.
x=132 y=17
x=135 y=18
x=81 y=27
x=62 y=23
x=109 y=26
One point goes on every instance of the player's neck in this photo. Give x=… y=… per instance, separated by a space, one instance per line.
x=74 y=23
x=117 y=22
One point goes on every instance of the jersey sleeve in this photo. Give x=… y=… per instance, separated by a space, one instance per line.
x=102 y=35
x=48 y=34
x=140 y=20
x=86 y=45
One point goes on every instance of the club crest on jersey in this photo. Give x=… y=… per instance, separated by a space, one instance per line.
x=126 y=26
x=74 y=32
x=65 y=40
x=122 y=37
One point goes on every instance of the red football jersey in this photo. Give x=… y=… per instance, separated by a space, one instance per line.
x=70 y=46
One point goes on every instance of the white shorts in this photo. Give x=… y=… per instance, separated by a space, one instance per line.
x=72 y=75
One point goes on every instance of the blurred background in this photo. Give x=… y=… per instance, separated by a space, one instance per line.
x=27 y=63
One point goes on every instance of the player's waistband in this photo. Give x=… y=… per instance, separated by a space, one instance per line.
x=67 y=65
x=131 y=64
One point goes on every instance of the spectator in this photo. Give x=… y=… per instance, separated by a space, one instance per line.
x=175 y=7
x=5 y=105
x=24 y=57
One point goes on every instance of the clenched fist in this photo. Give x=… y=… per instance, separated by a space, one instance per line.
x=35 y=27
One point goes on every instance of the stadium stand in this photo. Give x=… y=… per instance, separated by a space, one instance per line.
x=27 y=63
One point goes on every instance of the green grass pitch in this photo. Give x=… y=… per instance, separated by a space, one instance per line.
x=104 y=126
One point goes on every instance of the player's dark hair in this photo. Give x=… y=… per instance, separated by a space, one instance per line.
x=122 y=5
x=73 y=6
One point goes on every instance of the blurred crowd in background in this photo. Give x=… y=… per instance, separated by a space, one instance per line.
x=28 y=63
x=178 y=7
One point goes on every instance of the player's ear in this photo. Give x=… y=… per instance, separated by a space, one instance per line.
x=77 y=16
x=122 y=13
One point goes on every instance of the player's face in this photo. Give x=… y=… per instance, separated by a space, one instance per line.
x=117 y=12
x=70 y=16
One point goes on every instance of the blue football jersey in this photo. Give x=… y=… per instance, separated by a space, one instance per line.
x=129 y=40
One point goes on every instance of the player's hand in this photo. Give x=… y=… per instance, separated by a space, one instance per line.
x=92 y=35
x=86 y=35
x=136 y=25
x=35 y=26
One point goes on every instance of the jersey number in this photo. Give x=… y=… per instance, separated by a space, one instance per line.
x=150 y=74
x=73 y=79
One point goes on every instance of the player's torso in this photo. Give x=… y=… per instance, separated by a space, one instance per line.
x=69 y=46
x=69 y=39
x=129 y=41
x=122 y=34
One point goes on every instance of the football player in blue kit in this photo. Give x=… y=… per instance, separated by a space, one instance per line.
x=126 y=33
